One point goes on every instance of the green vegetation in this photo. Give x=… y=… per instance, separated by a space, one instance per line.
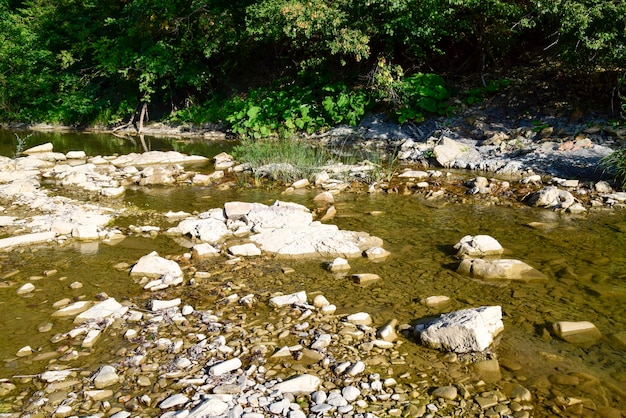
x=275 y=67
x=281 y=159
x=615 y=165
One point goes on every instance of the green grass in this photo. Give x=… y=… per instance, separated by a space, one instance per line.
x=284 y=160
x=614 y=164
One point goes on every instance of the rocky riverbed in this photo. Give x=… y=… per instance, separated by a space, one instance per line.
x=204 y=343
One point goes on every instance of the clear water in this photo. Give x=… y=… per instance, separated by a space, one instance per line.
x=583 y=256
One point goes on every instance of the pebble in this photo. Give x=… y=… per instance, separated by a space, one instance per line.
x=25 y=289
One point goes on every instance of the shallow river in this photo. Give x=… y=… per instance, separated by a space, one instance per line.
x=583 y=256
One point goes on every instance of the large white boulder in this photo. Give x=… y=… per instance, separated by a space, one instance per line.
x=464 y=331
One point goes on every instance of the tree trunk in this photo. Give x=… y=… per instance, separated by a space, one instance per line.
x=142 y=115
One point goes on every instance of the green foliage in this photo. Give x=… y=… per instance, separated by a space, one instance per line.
x=615 y=165
x=409 y=97
x=478 y=94
x=86 y=61
x=586 y=32
x=267 y=112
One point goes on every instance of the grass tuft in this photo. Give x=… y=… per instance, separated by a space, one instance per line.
x=614 y=164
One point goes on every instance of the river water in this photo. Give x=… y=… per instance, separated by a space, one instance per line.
x=583 y=256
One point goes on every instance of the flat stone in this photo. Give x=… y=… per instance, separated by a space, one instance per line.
x=98 y=395
x=205 y=250
x=500 y=269
x=286 y=300
x=577 y=332
x=109 y=308
x=211 y=407
x=245 y=250
x=414 y=174
x=27 y=239
x=159 y=305
x=173 y=401
x=299 y=385
x=47 y=147
x=365 y=278
x=435 y=300
x=360 y=318
x=73 y=309
x=224 y=367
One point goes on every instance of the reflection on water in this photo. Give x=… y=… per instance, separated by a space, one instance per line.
x=108 y=144
x=583 y=257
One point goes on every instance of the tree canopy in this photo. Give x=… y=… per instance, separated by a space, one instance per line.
x=98 y=62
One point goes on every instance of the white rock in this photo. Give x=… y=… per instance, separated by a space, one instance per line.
x=376 y=253
x=350 y=393
x=27 y=239
x=338 y=264
x=328 y=309
x=478 y=246
x=25 y=288
x=204 y=250
x=105 y=376
x=24 y=351
x=464 y=331
x=90 y=338
x=321 y=342
x=357 y=368
x=577 y=332
x=73 y=309
x=109 y=308
x=173 y=401
x=435 y=300
x=320 y=301
x=285 y=300
x=212 y=407
x=551 y=197
x=360 y=318
x=99 y=394
x=245 y=250
x=365 y=278
x=576 y=208
x=414 y=174
x=47 y=147
x=224 y=367
x=159 y=305
x=76 y=155
x=55 y=375
x=500 y=269
x=113 y=191
x=388 y=331
x=300 y=184
x=299 y=385
x=153 y=266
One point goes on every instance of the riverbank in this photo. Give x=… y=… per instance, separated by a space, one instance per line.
x=162 y=347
